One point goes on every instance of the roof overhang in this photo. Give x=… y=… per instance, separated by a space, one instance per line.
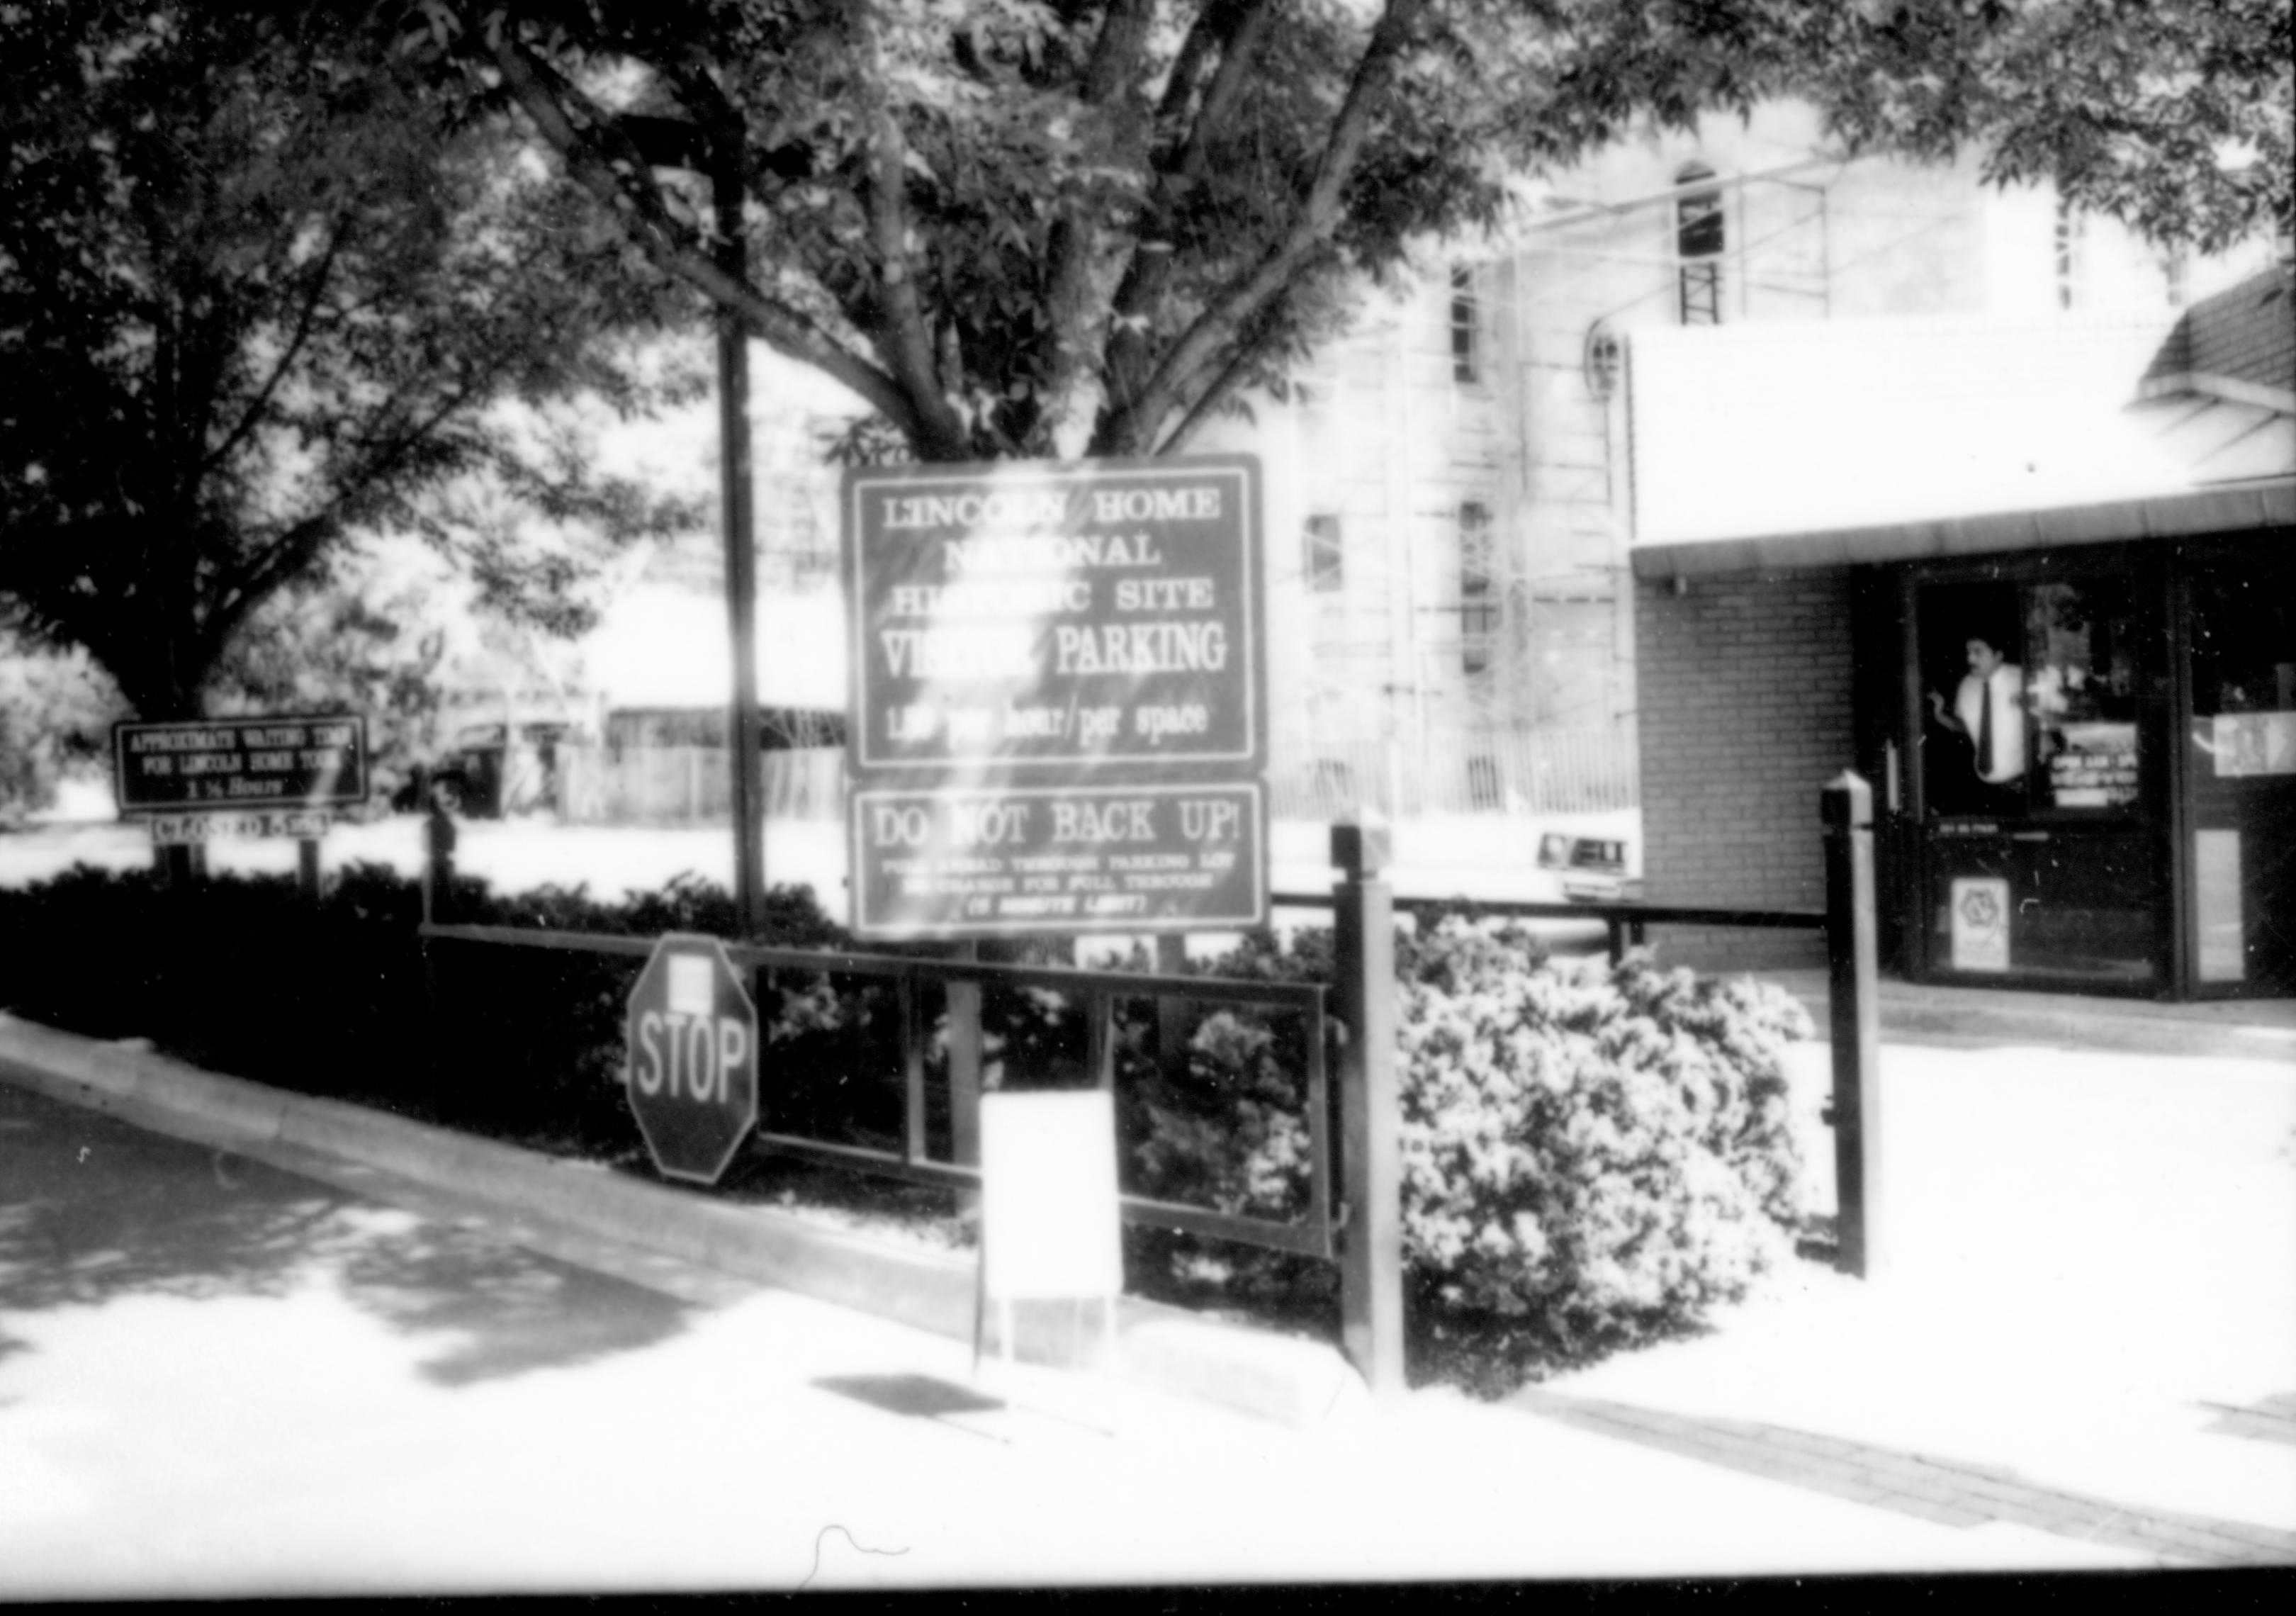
x=2244 y=508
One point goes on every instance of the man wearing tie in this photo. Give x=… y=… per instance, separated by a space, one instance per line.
x=1989 y=708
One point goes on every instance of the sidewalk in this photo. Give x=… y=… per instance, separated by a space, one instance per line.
x=276 y=1391
x=2083 y=1317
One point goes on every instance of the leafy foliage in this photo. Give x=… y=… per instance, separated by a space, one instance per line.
x=1609 y=1159
x=1031 y=227
x=256 y=303
x=56 y=710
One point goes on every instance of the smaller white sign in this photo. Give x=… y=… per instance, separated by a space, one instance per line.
x=2249 y=743
x=692 y=985
x=1980 y=923
x=2216 y=901
x=1048 y=1209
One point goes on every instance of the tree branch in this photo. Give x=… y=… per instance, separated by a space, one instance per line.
x=1150 y=268
x=904 y=336
x=293 y=550
x=1117 y=56
x=306 y=317
x=622 y=184
x=1311 y=226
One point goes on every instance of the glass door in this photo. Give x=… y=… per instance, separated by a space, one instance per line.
x=2042 y=781
x=2240 y=769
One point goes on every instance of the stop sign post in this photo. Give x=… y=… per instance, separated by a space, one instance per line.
x=693 y=1057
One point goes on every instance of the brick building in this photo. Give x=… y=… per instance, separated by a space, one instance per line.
x=2123 y=545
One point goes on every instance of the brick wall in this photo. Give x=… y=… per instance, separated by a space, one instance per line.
x=1745 y=712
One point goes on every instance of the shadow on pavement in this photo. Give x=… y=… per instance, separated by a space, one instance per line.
x=918 y=1395
x=92 y=1209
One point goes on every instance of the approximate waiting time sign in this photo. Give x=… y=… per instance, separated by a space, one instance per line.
x=223 y=765
x=1058 y=719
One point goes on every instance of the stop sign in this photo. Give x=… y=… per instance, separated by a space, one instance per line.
x=693 y=1057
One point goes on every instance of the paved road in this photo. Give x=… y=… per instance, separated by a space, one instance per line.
x=218 y=1377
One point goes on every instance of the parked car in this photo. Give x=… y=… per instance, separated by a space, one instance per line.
x=467 y=776
x=1594 y=869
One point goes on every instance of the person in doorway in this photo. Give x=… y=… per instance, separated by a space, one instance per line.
x=1989 y=711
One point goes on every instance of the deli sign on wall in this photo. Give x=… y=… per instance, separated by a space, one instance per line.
x=1058 y=717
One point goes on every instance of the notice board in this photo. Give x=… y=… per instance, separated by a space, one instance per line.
x=223 y=765
x=1058 y=714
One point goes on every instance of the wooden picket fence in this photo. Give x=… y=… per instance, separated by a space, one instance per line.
x=1545 y=772
x=692 y=784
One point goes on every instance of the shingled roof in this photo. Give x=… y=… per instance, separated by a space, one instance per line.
x=2245 y=335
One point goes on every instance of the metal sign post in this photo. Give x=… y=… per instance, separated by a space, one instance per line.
x=1846 y=808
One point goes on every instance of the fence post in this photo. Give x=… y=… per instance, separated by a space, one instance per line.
x=965 y=1062
x=1168 y=1039
x=436 y=850
x=1846 y=808
x=1371 y=1152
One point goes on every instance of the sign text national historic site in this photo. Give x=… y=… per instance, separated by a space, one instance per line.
x=1058 y=717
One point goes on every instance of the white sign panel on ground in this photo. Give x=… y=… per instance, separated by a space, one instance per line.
x=1049 y=1224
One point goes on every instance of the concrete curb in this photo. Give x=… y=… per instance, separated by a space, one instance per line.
x=1297 y=1382
x=2251 y=1030
x=2111 y=1031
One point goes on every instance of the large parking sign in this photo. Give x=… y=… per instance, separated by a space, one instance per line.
x=1058 y=716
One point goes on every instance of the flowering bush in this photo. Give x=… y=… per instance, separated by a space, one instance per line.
x=1609 y=1156
x=1591 y=1161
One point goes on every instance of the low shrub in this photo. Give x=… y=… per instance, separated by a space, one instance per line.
x=1590 y=1161
x=1605 y=1159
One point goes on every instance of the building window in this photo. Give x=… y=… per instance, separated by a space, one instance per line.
x=1466 y=320
x=2176 y=271
x=1602 y=358
x=1699 y=240
x=2071 y=239
x=1326 y=556
x=1478 y=605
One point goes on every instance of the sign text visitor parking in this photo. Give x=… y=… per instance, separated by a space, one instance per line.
x=1044 y=617
x=1058 y=717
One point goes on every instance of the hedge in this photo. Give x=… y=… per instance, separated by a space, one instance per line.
x=1588 y=1159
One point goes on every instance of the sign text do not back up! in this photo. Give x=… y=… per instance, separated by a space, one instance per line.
x=1126 y=857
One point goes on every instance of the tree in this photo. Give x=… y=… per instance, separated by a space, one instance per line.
x=257 y=302
x=56 y=711
x=1017 y=227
